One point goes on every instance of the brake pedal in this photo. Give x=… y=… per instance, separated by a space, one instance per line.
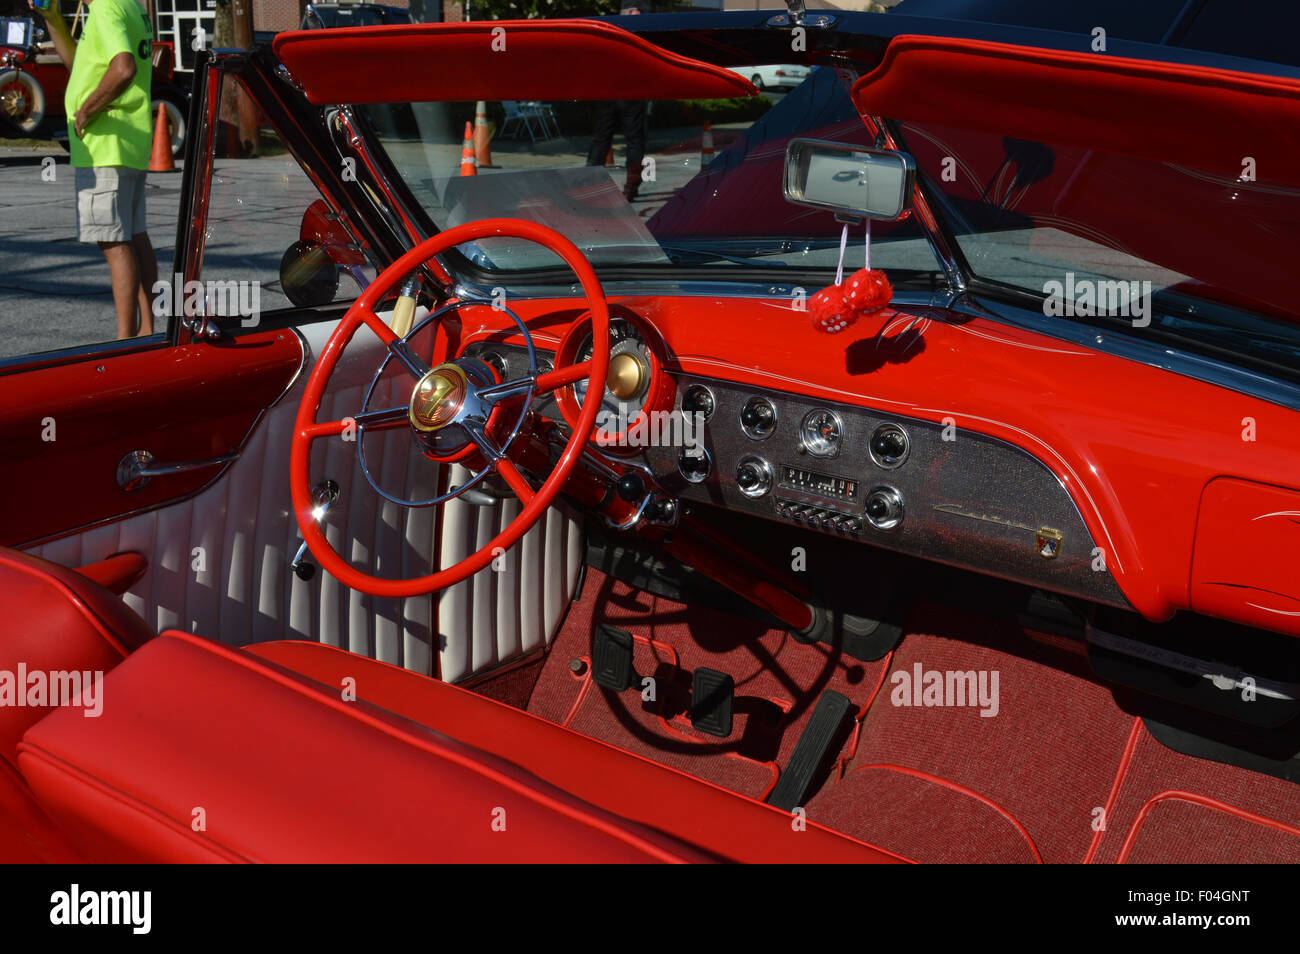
x=611 y=657
x=822 y=736
x=713 y=696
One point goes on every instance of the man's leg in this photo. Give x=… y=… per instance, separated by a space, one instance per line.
x=147 y=265
x=606 y=120
x=634 y=131
x=126 y=284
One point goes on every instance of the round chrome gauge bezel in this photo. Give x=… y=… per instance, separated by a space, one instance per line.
x=889 y=463
x=752 y=434
x=689 y=478
x=713 y=400
x=765 y=487
x=834 y=446
x=497 y=361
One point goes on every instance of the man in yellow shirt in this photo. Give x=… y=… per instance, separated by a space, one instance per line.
x=109 y=137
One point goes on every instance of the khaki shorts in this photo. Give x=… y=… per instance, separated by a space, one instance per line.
x=110 y=203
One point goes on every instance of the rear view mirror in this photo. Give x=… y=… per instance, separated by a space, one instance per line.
x=849 y=180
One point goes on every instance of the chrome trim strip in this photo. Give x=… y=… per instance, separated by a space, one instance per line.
x=391 y=208
x=49 y=359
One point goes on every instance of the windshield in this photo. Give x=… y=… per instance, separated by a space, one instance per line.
x=1098 y=235
x=682 y=185
x=694 y=189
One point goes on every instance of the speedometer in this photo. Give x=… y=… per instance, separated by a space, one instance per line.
x=628 y=379
x=820 y=432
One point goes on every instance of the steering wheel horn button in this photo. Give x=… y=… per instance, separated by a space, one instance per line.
x=627 y=373
x=438 y=398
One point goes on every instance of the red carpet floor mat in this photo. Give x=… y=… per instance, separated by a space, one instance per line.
x=778 y=681
x=980 y=742
x=1014 y=753
x=1170 y=807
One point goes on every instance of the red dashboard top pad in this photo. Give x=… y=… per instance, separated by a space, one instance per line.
x=494 y=60
x=1211 y=119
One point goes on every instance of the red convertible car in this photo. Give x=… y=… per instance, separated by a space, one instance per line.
x=499 y=518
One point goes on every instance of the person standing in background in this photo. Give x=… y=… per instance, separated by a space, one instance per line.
x=631 y=115
x=109 y=137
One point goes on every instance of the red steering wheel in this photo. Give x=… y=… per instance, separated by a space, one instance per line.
x=451 y=407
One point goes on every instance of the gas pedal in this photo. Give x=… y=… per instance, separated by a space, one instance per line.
x=821 y=738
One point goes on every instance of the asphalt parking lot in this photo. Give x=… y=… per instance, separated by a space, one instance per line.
x=54 y=290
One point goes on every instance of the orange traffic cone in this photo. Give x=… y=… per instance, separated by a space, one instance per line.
x=468 y=164
x=706 y=143
x=609 y=157
x=161 y=158
x=482 y=150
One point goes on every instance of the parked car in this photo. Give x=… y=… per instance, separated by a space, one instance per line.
x=324 y=16
x=496 y=518
x=764 y=77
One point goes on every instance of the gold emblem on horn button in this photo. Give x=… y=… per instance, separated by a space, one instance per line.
x=626 y=372
x=438 y=397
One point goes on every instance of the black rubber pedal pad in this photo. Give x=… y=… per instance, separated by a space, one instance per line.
x=611 y=657
x=823 y=734
x=713 y=696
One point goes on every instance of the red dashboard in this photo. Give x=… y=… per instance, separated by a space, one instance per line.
x=1079 y=412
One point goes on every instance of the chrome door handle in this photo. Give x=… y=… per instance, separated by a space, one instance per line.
x=136 y=469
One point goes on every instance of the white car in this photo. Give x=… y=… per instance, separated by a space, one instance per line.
x=773 y=77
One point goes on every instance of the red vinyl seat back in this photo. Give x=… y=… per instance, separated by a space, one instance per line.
x=52 y=620
x=55 y=619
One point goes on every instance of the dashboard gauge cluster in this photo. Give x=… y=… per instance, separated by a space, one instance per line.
x=639 y=393
x=901 y=483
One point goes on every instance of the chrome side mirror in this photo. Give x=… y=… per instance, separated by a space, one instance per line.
x=849 y=180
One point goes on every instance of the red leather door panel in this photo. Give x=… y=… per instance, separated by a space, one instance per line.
x=64 y=429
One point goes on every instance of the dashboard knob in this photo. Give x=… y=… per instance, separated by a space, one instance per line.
x=694 y=467
x=631 y=486
x=698 y=400
x=889 y=446
x=884 y=508
x=758 y=417
x=753 y=476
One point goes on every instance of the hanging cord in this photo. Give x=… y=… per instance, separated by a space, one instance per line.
x=844 y=244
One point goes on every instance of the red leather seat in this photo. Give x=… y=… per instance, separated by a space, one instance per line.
x=205 y=752
x=51 y=619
